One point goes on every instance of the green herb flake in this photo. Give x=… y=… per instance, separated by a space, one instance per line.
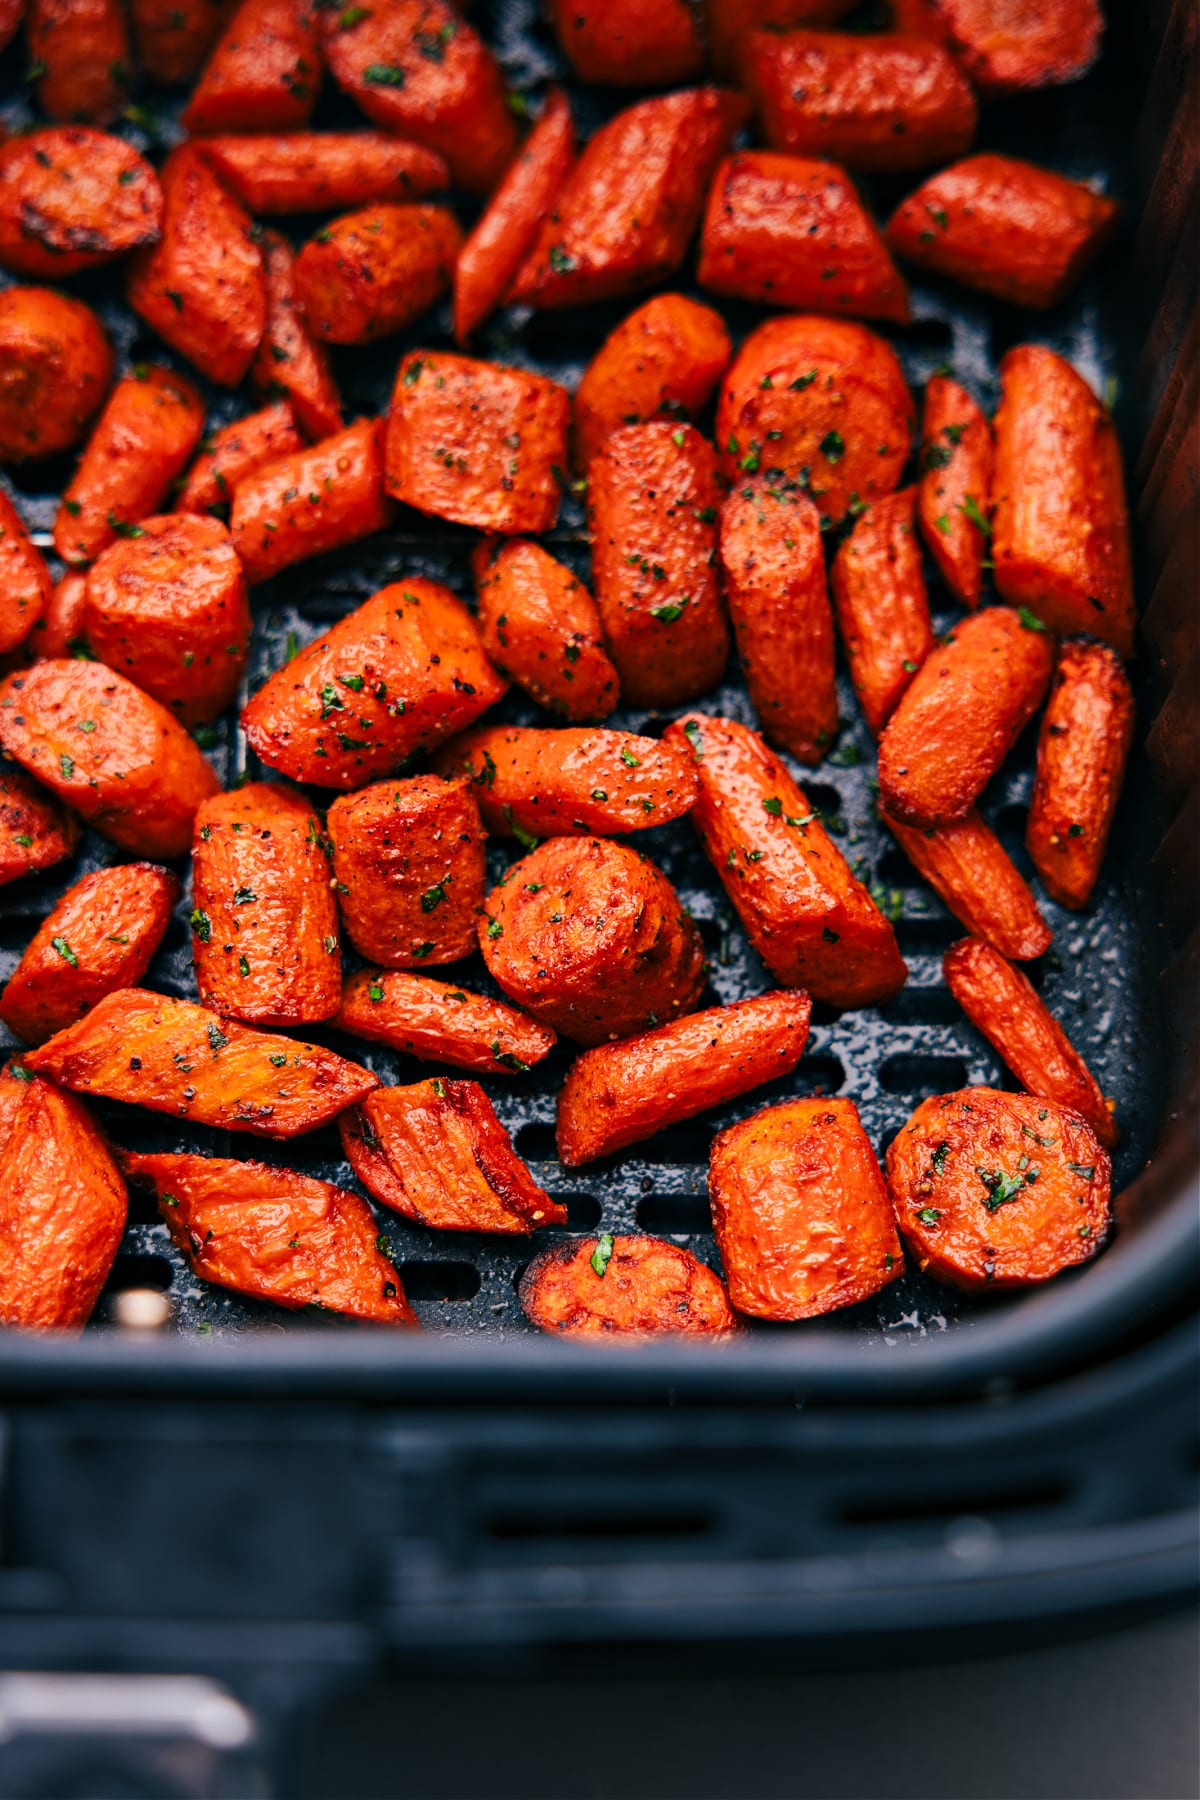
x=832 y=447
x=216 y=1038
x=602 y=1255
x=433 y=896
x=383 y=75
x=929 y=1215
x=201 y=925
x=65 y=951
x=970 y=506
x=1001 y=1188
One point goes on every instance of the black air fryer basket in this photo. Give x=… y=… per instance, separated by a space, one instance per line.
x=265 y=1502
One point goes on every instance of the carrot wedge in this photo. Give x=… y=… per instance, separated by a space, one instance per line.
x=954 y=495
x=438 y=1022
x=26 y=586
x=72 y=198
x=290 y=361
x=1018 y=44
x=264 y=73
x=323 y=171
x=663 y=360
x=1084 y=745
x=55 y=367
x=596 y=1287
x=541 y=627
x=373 y=272
x=234 y=452
x=882 y=606
x=969 y=868
x=79 y=51
x=36 y=830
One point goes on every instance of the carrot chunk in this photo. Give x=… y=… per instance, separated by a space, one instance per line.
x=72 y=198
x=1006 y=46
x=630 y=43
x=26 y=586
x=234 y=452
x=80 y=50
x=35 y=830
x=290 y=361
x=967 y=865
x=58 y=630
x=437 y=1022
x=314 y=500
x=370 y=274
x=541 y=628
x=172 y=37
x=882 y=606
x=664 y=360
x=323 y=171
x=264 y=73
x=55 y=367
x=1084 y=745
x=593 y=1287
x=954 y=494
x=728 y=20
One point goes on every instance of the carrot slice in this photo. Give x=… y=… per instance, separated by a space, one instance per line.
x=970 y=869
x=59 y=629
x=264 y=73
x=323 y=171
x=593 y=1287
x=172 y=37
x=882 y=606
x=290 y=361
x=541 y=627
x=36 y=831
x=314 y=500
x=72 y=198
x=954 y=494
x=630 y=43
x=234 y=452
x=26 y=586
x=1087 y=730
x=663 y=360
x=440 y=1023
x=55 y=367
x=80 y=51
x=372 y=273
x=1006 y=46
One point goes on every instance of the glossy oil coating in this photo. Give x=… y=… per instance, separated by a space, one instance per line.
x=437 y=1021
x=591 y=1287
x=72 y=198
x=664 y=359
x=55 y=367
x=882 y=605
x=322 y=171
x=541 y=627
x=954 y=494
x=1086 y=736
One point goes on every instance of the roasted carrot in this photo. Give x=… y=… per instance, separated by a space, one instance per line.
x=773 y=568
x=323 y=171
x=1060 y=534
x=202 y=287
x=653 y=497
x=882 y=606
x=101 y=936
x=1008 y=45
x=1085 y=740
x=592 y=939
x=630 y=43
x=617 y=1094
x=916 y=18
x=400 y=674
x=175 y=1057
x=26 y=585
x=372 y=273
x=119 y=758
x=728 y=20
x=969 y=868
x=36 y=831
x=998 y=1190
x=489 y=260
x=311 y=501
x=437 y=1154
x=593 y=1287
x=541 y=627
x=58 y=630
x=1001 y=1003
x=419 y=70
x=143 y=440
x=437 y=1022
x=72 y=198
x=265 y=938
x=172 y=37
x=409 y=863
x=961 y=715
x=55 y=367
x=532 y=783
x=954 y=494
x=79 y=50
x=821 y=402
x=264 y=73
x=276 y=1235
x=628 y=210
x=234 y=452
x=663 y=360
x=790 y=231
x=802 y=1216
x=290 y=362
x=12 y=14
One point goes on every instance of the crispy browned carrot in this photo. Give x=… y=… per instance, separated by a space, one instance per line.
x=664 y=360
x=1022 y=43
x=264 y=73
x=541 y=627
x=234 y=452
x=323 y=171
x=26 y=586
x=80 y=52
x=172 y=37
x=954 y=495
x=290 y=361
x=594 y=1287
x=970 y=869
x=882 y=606
x=440 y=1023
x=310 y=501
x=55 y=367
x=35 y=830
x=1085 y=740
x=630 y=43
x=374 y=272
x=72 y=198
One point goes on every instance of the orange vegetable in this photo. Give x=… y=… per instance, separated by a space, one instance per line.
x=788 y=231
x=540 y=627
x=323 y=171
x=591 y=1287
x=119 y=758
x=998 y=1190
x=591 y=938
x=12 y=14
x=618 y=1094
x=80 y=50
x=534 y=783
x=773 y=569
x=72 y=198
x=802 y=1216
x=35 y=830
x=370 y=274
x=290 y=362
x=265 y=937
x=1008 y=45
x=334 y=496
x=630 y=43
x=627 y=212
x=409 y=862
x=967 y=865
x=961 y=715
x=58 y=631
x=489 y=260
x=172 y=37
x=62 y=1212
x=437 y=1154
x=419 y=70
x=423 y=677
x=477 y=443
x=263 y=75
x=276 y=1235
x=821 y=402
x=726 y=21
x=175 y=1057
x=143 y=440
x=1001 y=1003
x=1060 y=534
x=653 y=497
x=956 y=482
x=55 y=367
x=882 y=607
x=101 y=936
x=234 y=452
x=25 y=582
x=664 y=359
x=812 y=923
x=202 y=287
x=439 y=1023
x=1087 y=730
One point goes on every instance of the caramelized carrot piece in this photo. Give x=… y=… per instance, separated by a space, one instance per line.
x=437 y=1022
x=289 y=361
x=55 y=367
x=591 y=1287
x=1006 y=46
x=234 y=452
x=80 y=50
x=802 y=1216
x=541 y=627
x=72 y=198
x=323 y=171
x=789 y=231
x=25 y=582
x=101 y=936
x=398 y=675
x=12 y=14
x=370 y=274
x=664 y=359
x=1001 y=1003
x=437 y=1154
x=263 y=75
x=143 y=440
x=954 y=494
x=114 y=754
x=728 y=20
x=653 y=497
x=998 y=1190
x=618 y=1094
x=968 y=867
x=265 y=937
x=534 y=783
x=962 y=713
x=172 y=37
x=591 y=938
x=58 y=630
x=773 y=567
x=311 y=501
x=175 y=1057
x=1087 y=730
x=882 y=606
x=630 y=43
x=35 y=830
x=276 y=1235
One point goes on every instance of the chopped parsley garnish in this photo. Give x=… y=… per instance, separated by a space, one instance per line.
x=602 y=1255
x=65 y=951
x=201 y=925
x=1002 y=1188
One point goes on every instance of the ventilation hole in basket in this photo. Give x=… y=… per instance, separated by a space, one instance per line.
x=536 y=1142
x=583 y=1210
x=820 y=1074
x=922 y=1006
x=895 y=870
x=922 y=1075
x=511 y=1526
x=439 y=1280
x=34 y=480
x=824 y=1014
x=824 y=798
x=935 y=1508
x=688 y=1142
x=929 y=334
x=918 y=937
x=135 y=1270
x=143 y=1205
x=674 y=1215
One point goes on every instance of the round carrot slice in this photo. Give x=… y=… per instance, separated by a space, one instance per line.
x=72 y=198
x=589 y=1287
x=55 y=367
